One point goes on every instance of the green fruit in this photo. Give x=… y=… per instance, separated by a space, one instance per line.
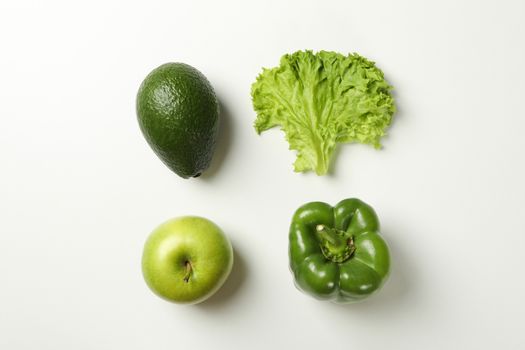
x=186 y=259
x=178 y=114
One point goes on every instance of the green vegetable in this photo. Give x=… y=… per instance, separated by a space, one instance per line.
x=337 y=253
x=178 y=114
x=320 y=100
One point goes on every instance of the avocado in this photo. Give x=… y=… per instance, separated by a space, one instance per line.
x=178 y=114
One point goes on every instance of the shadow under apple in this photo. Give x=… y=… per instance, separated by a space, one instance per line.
x=226 y=293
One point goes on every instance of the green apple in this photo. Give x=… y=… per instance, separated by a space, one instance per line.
x=186 y=259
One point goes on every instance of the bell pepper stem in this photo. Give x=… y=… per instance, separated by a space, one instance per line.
x=335 y=245
x=330 y=236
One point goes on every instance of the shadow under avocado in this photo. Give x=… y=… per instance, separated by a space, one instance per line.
x=224 y=142
x=232 y=285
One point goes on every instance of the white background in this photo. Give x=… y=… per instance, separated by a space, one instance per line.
x=80 y=190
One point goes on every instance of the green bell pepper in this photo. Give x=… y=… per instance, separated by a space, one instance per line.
x=336 y=253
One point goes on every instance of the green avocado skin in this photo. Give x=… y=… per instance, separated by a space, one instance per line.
x=178 y=114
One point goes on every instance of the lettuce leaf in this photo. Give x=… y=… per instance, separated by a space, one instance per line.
x=322 y=99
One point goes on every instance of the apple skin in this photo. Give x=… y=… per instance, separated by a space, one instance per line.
x=183 y=241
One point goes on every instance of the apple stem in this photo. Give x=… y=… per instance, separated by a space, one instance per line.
x=188 y=271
